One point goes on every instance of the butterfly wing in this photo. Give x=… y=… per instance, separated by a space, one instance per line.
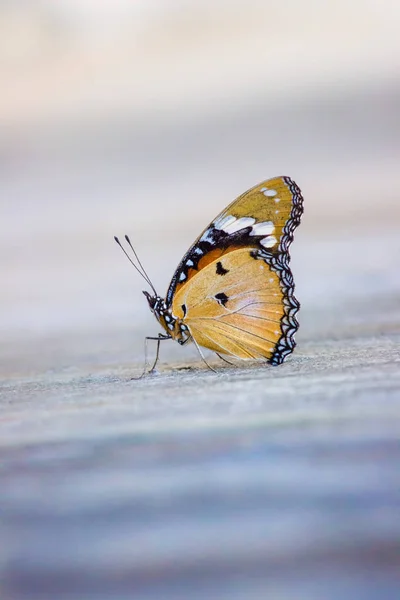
x=234 y=288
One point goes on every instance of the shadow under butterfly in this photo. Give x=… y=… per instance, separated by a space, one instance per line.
x=233 y=291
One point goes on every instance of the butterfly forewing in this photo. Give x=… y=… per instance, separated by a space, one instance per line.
x=267 y=209
x=268 y=202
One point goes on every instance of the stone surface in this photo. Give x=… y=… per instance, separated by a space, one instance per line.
x=248 y=483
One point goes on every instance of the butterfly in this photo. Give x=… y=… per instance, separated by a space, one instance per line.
x=233 y=291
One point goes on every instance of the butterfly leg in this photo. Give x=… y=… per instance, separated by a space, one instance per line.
x=158 y=339
x=202 y=356
x=225 y=360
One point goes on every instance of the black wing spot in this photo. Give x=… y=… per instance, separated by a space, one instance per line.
x=183 y=307
x=221 y=270
x=221 y=298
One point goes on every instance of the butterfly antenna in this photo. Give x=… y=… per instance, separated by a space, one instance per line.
x=140 y=264
x=141 y=272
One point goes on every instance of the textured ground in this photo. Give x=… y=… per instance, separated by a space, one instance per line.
x=236 y=485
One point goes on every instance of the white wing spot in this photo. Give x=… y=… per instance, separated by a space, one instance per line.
x=238 y=224
x=198 y=251
x=269 y=242
x=189 y=263
x=264 y=228
x=224 y=221
x=207 y=236
x=271 y=280
x=277 y=212
x=171 y=326
x=182 y=276
x=277 y=199
x=263 y=189
x=270 y=193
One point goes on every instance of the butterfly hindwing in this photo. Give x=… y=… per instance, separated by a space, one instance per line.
x=236 y=313
x=233 y=288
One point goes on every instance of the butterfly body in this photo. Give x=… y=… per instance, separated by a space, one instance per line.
x=233 y=291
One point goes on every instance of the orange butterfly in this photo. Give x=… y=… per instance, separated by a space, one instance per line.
x=233 y=291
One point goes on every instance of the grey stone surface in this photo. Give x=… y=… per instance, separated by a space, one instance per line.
x=250 y=483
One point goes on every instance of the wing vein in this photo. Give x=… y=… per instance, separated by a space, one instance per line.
x=235 y=342
x=240 y=329
x=239 y=311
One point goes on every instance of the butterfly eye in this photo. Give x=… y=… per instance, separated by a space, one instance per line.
x=152 y=300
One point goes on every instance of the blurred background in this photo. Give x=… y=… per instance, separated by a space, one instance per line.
x=148 y=117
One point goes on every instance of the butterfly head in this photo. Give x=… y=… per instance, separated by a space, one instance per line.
x=163 y=314
x=156 y=303
x=174 y=326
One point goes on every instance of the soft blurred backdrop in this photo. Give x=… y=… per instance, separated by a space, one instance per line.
x=148 y=117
